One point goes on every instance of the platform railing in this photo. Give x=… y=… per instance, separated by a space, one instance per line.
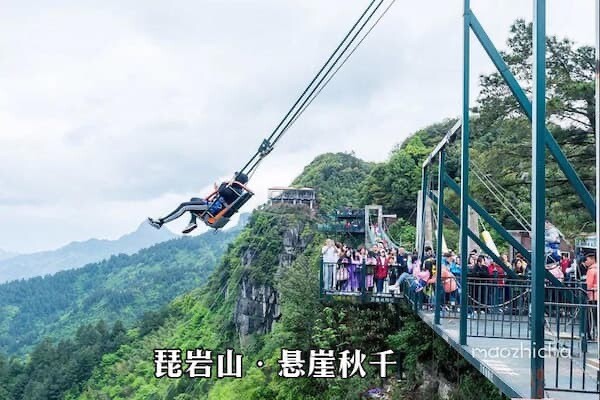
x=360 y=283
x=338 y=227
x=570 y=329
x=500 y=308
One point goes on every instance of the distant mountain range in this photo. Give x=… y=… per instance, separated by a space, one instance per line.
x=78 y=254
x=6 y=254
x=121 y=287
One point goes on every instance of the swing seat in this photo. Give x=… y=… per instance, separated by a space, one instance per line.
x=225 y=203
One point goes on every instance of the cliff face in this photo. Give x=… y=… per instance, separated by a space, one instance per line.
x=257 y=306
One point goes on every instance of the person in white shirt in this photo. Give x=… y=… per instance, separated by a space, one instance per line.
x=330 y=259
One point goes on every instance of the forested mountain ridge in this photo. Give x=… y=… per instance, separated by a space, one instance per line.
x=121 y=288
x=78 y=254
x=336 y=176
x=263 y=296
x=278 y=251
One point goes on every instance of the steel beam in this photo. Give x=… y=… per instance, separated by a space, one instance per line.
x=424 y=185
x=598 y=160
x=450 y=214
x=538 y=199
x=448 y=138
x=439 y=291
x=489 y=219
x=464 y=172
x=500 y=229
x=527 y=108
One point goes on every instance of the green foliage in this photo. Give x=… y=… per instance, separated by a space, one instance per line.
x=120 y=288
x=335 y=178
x=297 y=286
x=266 y=254
x=396 y=182
x=53 y=369
x=472 y=386
x=502 y=135
x=403 y=232
x=204 y=318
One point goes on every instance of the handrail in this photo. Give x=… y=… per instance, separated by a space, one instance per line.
x=448 y=138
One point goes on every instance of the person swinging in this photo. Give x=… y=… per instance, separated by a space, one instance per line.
x=229 y=195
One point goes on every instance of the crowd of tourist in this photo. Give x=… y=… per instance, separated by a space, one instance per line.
x=343 y=265
x=388 y=270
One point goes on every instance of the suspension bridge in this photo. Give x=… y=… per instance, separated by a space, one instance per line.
x=531 y=337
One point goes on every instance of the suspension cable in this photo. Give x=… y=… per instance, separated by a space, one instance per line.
x=500 y=200
x=305 y=100
x=266 y=145
x=499 y=190
x=496 y=186
x=488 y=179
x=496 y=190
x=515 y=213
x=337 y=69
x=274 y=136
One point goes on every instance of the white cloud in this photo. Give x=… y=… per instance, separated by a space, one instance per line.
x=112 y=111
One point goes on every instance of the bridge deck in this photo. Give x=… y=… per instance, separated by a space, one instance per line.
x=510 y=373
x=498 y=333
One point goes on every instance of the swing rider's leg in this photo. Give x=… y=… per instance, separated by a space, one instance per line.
x=194 y=205
x=191 y=225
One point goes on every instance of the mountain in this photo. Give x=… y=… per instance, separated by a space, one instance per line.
x=236 y=309
x=244 y=219
x=122 y=287
x=337 y=176
x=260 y=298
x=6 y=254
x=77 y=254
x=263 y=296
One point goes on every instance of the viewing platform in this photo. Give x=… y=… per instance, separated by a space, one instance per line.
x=345 y=221
x=357 y=291
x=292 y=196
x=498 y=329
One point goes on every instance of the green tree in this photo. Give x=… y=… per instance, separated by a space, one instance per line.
x=396 y=182
x=502 y=136
x=120 y=288
x=335 y=177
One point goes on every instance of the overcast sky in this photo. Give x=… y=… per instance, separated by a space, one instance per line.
x=112 y=111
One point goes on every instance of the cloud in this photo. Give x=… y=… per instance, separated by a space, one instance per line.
x=112 y=111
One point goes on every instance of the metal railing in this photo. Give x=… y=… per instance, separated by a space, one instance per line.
x=497 y=308
x=501 y=309
x=352 y=213
x=340 y=227
x=356 y=280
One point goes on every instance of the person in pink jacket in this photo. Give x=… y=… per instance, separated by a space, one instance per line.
x=448 y=280
x=449 y=284
x=417 y=279
x=423 y=273
x=591 y=280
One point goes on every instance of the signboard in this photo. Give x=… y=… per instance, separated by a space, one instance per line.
x=589 y=242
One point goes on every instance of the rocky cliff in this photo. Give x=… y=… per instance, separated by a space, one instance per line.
x=257 y=306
